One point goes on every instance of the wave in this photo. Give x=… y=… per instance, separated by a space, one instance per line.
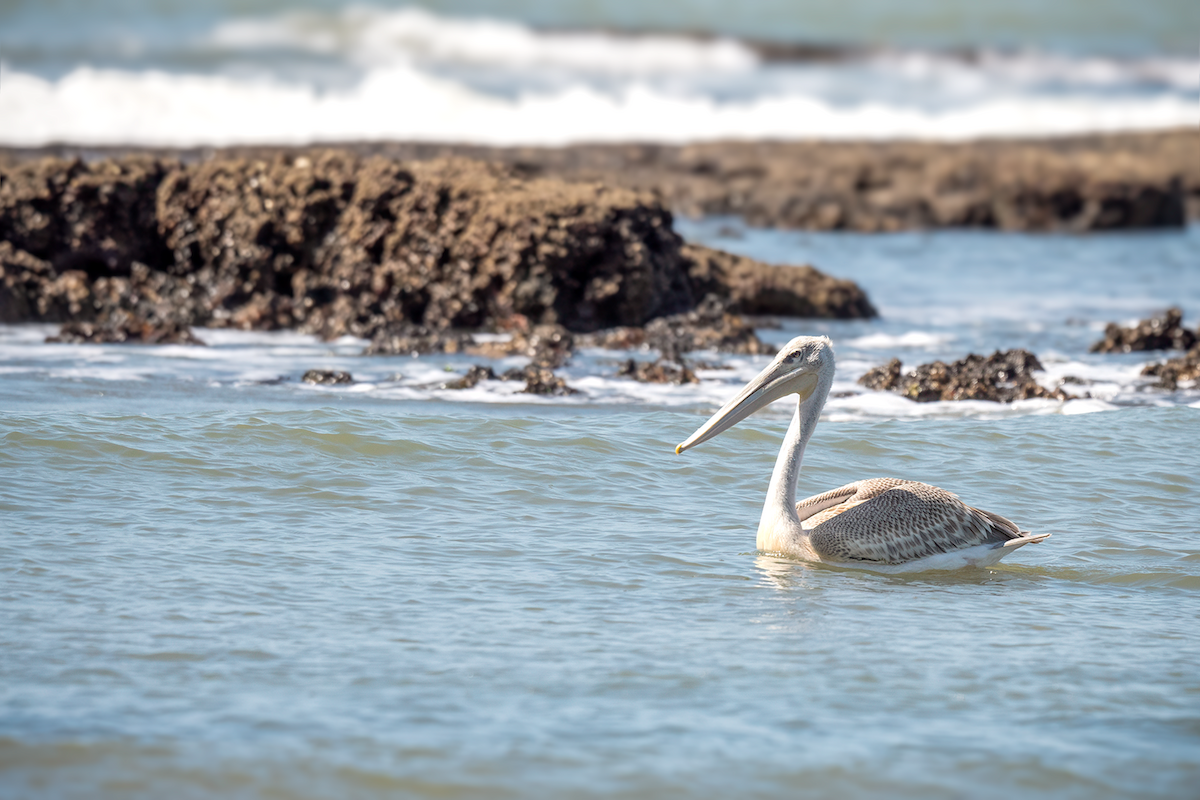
x=373 y=74
x=376 y=36
x=111 y=107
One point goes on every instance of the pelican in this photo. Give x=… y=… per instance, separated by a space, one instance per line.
x=882 y=524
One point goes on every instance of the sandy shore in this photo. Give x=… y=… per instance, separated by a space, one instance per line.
x=1098 y=182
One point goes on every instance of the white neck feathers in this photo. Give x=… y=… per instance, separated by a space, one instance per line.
x=779 y=528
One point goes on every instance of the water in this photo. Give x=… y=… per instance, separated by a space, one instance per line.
x=168 y=72
x=214 y=582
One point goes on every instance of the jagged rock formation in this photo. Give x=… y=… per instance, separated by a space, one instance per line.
x=1184 y=368
x=710 y=326
x=333 y=243
x=1073 y=183
x=327 y=377
x=660 y=371
x=1163 y=331
x=1000 y=377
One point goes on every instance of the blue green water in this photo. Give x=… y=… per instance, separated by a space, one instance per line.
x=214 y=582
x=430 y=600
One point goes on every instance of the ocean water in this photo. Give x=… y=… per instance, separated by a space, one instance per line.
x=169 y=72
x=216 y=580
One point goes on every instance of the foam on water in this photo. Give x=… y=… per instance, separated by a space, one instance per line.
x=272 y=362
x=942 y=295
x=909 y=340
x=407 y=74
x=372 y=36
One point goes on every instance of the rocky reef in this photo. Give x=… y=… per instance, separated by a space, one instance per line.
x=1070 y=183
x=538 y=379
x=412 y=255
x=1001 y=377
x=1163 y=331
x=659 y=371
x=1170 y=372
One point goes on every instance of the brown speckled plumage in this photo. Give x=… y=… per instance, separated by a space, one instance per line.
x=883 y=524
x=891 y=521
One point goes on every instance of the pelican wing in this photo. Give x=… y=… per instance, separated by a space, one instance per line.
x=820 y=507
x=890 y=521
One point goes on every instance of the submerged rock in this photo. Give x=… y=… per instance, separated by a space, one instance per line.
x=660 y=371
x=547 y=345
x=327 y=377
x=415 y=340
x=540 y=380
x=710 y=326
x=122 y=327
x=1000 y=377
x=1163 y=331
x=473 y=376
x=1172 y=371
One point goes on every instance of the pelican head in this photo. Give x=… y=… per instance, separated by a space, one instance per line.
x=801 y=366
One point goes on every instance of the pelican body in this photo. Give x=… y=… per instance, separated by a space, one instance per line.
x=882 y=524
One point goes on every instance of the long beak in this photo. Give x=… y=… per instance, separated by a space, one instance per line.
x=774 y=382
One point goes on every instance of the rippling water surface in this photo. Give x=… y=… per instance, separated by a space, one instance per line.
x=216 y=586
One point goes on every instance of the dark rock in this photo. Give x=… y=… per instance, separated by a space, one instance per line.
x=327 y=377
x=883 y=379
x=332 y=243
x=97 y=218
x=1001 y=377
x=337 y=245
x=407 y=339
x=30 y=290
x=147 y=307
x=249 y=233
x=124 y=327
x=1163 y=331
x=623 y=338
x=1172 y=371
x=539 y=380
x=1089 y=182
x=474 y=375
x=709 y=326
x=752 y=287
x=660 y=371
x=547 y=345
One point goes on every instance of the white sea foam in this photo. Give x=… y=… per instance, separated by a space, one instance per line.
x=374 y=36
x=112 y=107
x=911 y=339
x=275 y=361
x=417 y=76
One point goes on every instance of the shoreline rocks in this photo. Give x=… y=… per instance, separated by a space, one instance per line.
x=327 y=377
x=538 y=380
x=331 y=243
x=1170 y=372
x=1163 y=331
x=1002 y=377
x=1070 y=183
x=660 y=371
